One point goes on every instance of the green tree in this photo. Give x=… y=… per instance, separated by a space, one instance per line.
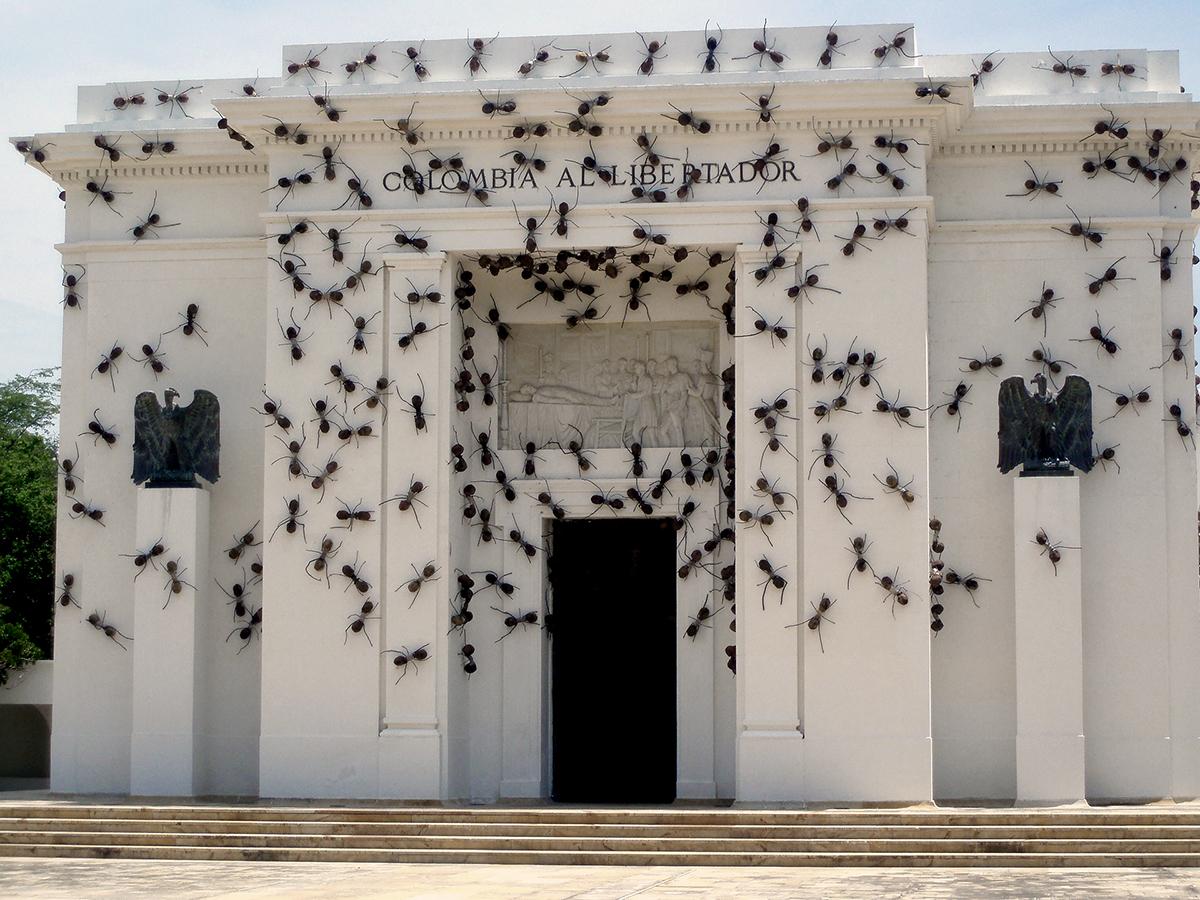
x=28 y=484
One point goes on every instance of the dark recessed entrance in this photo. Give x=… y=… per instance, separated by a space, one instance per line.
x=612 y=661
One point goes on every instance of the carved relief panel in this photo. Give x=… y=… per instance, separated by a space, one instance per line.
x=653 y=383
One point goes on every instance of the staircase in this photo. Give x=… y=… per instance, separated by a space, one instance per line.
x=1109 y=836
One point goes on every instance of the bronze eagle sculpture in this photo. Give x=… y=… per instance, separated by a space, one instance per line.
x=173 y=444
x=1049 y=434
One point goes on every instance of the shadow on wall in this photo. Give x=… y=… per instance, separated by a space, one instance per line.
x=24 y=746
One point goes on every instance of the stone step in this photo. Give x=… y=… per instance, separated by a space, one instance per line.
x=601 y=858
x=667 y=846
x=1151 y=815
x=521 y=829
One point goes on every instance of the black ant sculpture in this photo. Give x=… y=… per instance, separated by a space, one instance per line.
x=586 y=58
x=150 y=225
x=421 y=577
x=101 y=190
x=833 y=45
x=175 y=583
x=688 y=119
x=352 y=572
x=67 y=468
x=175 y=98
x=842 y=497
x=1104 y=162
x=242 y=543
x=349 y=514
x=1176 y=346
x=1097 y=283
x=893 y=589
x=358 y=621
x=153 y=359
x=1035 y=184
x=108 y=364
x=141 y=559
x=575 y=448
x=827 y=454
x=97 y=621
x=986 y=67
x=1103 y=339
x=405 y=657
x=1111 y=126
x=1164 y=255
x=653 y=49
x=478 y=47
x=1081 y=231
x=764 y=50
x=820 y=616
x=857 y=237
x=1063 y=67
x=1041 y=307
x=711 y=45
x=931 y=92
x=955 y=401
x=540 y=57
x=1050 y=366
x=515 y=536
x=66 y=598
x=1050 y=549
x=763 y=106
x=1129 y=400
x=291 y=519
x=901 y=146
x=901 y=412
x=894 y=484
x=773 y=579
x=309 y=63
x=512 y=620
x=84 y=510
x=1105 y=456
x=858 y=548
x=70 y=282
x=415 y=404
x=414 y=60
x=761 y=520
x=698 y=621
x=895 y=44
x=1183 y=429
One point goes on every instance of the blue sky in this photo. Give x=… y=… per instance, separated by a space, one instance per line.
x=49 y=48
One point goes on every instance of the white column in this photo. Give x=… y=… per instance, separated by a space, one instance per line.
x=1049 y=641
x=412 y=744
x=770 y=745
x=163 y=744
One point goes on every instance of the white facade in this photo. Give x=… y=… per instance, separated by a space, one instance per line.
x=873 y=706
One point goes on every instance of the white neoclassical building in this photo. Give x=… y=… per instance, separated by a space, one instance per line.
x=585 y=405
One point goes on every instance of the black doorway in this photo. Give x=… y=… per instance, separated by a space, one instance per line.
x=612 y=661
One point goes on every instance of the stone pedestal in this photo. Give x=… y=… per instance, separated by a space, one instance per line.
x=1049 y=641
x=163 y=745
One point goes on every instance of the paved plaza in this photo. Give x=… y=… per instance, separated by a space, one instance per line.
x=62 y=878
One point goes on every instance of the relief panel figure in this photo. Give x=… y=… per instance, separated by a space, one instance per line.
x=650 y=383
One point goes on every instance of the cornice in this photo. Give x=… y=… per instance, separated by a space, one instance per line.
x=1020 y=230
x=694 y=211
x=172 y=249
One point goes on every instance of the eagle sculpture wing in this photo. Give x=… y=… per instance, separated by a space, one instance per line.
x=1017 y=424
x=200 y=436
x=149 y=445
x=1073 y=417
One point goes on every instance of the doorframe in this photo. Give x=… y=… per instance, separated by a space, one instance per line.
x=526 y=745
